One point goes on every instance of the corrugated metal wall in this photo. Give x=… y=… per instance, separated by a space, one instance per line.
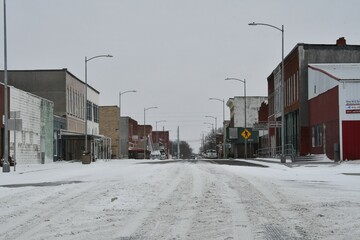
x=351 y=140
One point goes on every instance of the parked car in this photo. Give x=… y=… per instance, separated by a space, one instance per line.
x=211 y=154
x=155 y=155
x=11 y=161
x=162 y=156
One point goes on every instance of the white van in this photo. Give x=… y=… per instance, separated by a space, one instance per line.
x=211 y=154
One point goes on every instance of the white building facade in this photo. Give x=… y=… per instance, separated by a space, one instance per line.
x=32 y=142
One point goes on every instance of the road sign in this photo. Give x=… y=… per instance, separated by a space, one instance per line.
x=15 y=124
x=15 y=114
x=246 y=134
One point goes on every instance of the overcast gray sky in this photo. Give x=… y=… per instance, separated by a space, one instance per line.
x=175 y=53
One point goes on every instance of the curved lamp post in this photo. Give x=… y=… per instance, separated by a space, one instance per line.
x=224 y=130
x=85 y=99
x=212 y=125
x=145 y=138
x=157 y=133
x=215 y=118
x=244 y=82
x=156 y=122
x=122 y=93
x=282 y=157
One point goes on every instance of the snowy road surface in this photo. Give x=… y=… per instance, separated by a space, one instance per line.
x=129 y=199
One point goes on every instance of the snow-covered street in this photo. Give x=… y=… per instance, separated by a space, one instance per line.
x=136 y=199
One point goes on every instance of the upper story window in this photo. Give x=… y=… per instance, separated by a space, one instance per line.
x=96 y=113
x=89 y=115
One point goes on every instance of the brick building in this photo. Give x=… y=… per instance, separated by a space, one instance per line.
x=132 y=139
x=296 y=107
x=109 y=125
x=161 y=141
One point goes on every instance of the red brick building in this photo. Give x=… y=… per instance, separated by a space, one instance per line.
x=296 y=106
x=132 y=140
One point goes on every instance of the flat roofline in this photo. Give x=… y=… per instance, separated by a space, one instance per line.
x=52 y=70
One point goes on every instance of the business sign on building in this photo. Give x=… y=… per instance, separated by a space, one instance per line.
x=240 y=135
x=352 y=106
x=233 y=133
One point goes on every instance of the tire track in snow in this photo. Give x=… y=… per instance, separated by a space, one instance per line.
x=141 y=223
x=30 y=220
x=266 y=218
x=197 y=208
x=174 y=214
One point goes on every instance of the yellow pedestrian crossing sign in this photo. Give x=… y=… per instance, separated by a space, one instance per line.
x=246 y=134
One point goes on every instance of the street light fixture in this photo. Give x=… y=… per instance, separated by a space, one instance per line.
x=215 y=122
x=244 y=82
x=212 y=125
x=145 y=138
x=156 y=122
x=157 y=133
x=85 y=99
x=282 y=157
x=224 y=130
x=122 y=93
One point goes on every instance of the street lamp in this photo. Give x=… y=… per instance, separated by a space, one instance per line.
x=85 y=99
x=157 y=134
x=215 y=122
x=145 y=109
x=122 y=93
x=244 y=82
x=156 y=122
x=212 y=125
x=6 y=165
x=224 y=130
x=282 y=157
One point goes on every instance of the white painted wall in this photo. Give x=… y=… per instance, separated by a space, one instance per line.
x=252 y=107
x=28 y=141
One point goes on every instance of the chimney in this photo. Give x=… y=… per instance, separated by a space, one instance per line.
x=341 y=42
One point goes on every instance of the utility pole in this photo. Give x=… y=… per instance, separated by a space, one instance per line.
x=178 y=143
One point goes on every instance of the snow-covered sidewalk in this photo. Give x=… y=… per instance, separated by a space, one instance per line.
x=131 y=199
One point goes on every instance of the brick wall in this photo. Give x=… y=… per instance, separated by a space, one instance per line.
x=109 y=125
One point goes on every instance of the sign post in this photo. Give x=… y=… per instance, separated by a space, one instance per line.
x=15 y=124
x=246 y=134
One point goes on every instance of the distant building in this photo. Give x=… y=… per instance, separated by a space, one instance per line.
x=132 y=139
x=161 y=141
x=110 y=126
x=238 y=123
x=262 y=125
x=66 y=91
x=298 y=131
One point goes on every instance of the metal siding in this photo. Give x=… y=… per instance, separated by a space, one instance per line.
x=324 y=110
x=37 y=127
x=351 y=140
